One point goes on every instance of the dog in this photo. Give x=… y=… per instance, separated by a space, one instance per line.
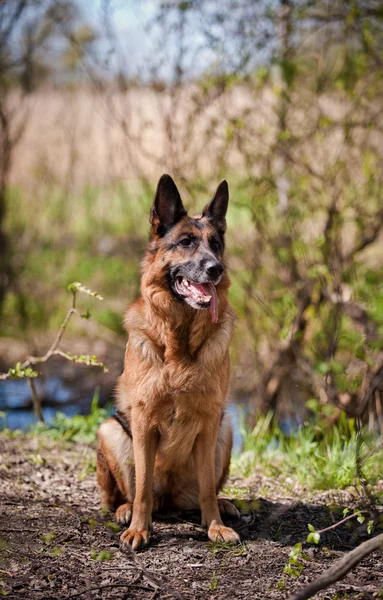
x=169 y=444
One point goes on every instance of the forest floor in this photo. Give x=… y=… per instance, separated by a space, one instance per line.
x=56 y=544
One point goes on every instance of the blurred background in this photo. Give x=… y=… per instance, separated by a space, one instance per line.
x=282 y=98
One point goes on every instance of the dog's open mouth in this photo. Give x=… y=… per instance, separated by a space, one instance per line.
x=201 y=293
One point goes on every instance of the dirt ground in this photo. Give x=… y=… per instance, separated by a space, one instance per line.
x=56 y=544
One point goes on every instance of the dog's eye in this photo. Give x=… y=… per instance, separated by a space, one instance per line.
x=186 y=241
x=215 y=246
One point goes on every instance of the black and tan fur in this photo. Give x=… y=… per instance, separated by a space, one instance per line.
x=172 y=440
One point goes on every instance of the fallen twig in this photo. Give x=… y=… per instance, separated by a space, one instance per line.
x=152 y=579
x=340 y=568
x=109 y=585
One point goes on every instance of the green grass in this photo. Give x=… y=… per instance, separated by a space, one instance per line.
x=97 y=236
x=314 y=456
x=80 y=428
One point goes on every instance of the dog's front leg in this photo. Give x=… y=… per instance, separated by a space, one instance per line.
x=145 y=441
x=205 y=464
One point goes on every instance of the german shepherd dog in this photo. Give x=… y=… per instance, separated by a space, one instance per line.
x=170 y=442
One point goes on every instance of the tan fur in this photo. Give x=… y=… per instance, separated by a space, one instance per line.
x=173 y=394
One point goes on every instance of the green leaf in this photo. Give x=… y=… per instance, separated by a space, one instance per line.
x=18 y=373
x=312 y=404
x=313 y=538
x=361 y=519
x=113 y=526
x=311 y=528
x=92 y=523
x=101 y=556
x=370 y=527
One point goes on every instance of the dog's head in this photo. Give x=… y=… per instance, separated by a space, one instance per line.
x=190 y=248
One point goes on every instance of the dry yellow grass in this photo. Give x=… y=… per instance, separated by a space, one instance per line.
x=77 y=137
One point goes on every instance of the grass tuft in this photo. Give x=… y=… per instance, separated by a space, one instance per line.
x=315 y=457
x=80 y=428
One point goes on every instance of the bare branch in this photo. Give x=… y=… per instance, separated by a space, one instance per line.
x=369 y=236
x=36 y=400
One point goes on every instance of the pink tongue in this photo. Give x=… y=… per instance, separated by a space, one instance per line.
x=208 y=289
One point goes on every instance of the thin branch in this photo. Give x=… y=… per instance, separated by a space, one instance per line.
x=33 y=360
x=111 y=585
x=371 y=453
x=153 y=580
x=36 y=400
x=335 y=525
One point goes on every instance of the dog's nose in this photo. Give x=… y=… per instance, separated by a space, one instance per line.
x=214 y=269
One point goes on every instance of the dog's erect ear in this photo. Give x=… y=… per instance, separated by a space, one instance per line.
x=216 y=209
x=167 y=207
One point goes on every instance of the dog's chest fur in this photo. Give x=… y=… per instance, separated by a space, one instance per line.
x=177 y=378
x=177 y=437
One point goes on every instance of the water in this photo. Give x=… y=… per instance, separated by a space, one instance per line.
x=15 y=402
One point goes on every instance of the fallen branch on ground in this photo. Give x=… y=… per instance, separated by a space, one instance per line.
x=149 y=576
x=118 y=584
x=340 y=569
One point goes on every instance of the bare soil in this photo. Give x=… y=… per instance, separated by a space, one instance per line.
x=56 y=544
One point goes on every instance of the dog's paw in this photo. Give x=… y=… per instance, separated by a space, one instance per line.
x=220 y=533
x=136 y=539
x=228 y=509
x=123 y=514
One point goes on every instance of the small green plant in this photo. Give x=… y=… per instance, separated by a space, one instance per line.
x=90 y=464
x=101 y=555
x=294 y=565
x=314 y=535
x=36 y=459
x=235 y=492
x=113 y=526
x=91 y=522
x=47 y=538
x=80 y=428
x=314 y=455
x=214 y=581
x=224 y=547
